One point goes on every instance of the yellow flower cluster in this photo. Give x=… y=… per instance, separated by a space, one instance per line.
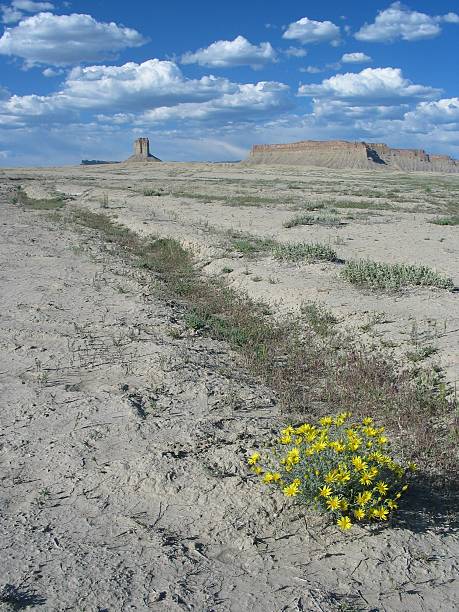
x=338 y=467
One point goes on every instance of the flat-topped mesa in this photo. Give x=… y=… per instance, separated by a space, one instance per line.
x=142 y=151
x=344 y=154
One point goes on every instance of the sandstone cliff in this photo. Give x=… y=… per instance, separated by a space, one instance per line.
x=344 y=154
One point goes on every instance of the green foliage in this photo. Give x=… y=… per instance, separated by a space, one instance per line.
x=453 y=220
x=310 y=219
x=301 y=251
x=374 y=275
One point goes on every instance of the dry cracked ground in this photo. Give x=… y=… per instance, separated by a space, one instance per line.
x=124 y=434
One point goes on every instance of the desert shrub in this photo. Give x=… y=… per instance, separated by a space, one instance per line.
x=310 y=219
x=300 y=251
x=336 y=467
x=454 y=220
x=376 y=275
x=149 y=191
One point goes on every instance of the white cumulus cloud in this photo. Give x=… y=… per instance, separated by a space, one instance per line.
x=14 y=12
x=381 y=85
x=428 y=115
x=156 y=90
x=399 y=22
x=355 y=58
x=309 y=31
x=229 y=53
x=60 y=40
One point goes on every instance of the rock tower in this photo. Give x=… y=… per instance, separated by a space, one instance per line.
x=142 y=151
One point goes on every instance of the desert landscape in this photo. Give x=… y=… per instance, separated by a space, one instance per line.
x=134 y=387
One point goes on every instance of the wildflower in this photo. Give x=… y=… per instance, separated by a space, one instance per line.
x=367 y=421
x=293 y=456
x=343 y=505
x=291 y=490
x=359 y=514
x=333 y=503
x=325 y=491
x=337 y=446
x=271 y=477
x=332 y=477
x=382 y=440
x=412 y=466
x=354 y=444
x=253 y=458
x=359 y=463
x=343 y=476
x=382 y=487
x=366 y=479
x=326 y=421
x=370 y=431
x=344 y=523
x=392 y=505
x=382 y=513
x=257 y=469
x=363 y=498
x=285 y=439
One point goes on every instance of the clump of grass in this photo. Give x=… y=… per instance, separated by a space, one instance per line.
x=309 y=206
x=375 y=275
x=38 y=204
x=453 y=220
x=320 y=319
x=337 y=467
x=251 y=245
x=301 y=251
x=309 y=219
x=149 y=191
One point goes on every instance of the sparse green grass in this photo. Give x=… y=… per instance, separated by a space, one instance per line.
x=453 y=220
x=319 y=318
x=307 y=373
x=310 y=219
x=374 y=275
x=38 y=204
x=226 y=200
x=150 y=191
x=301 y=251
x=289 y=251
x=360 y=205
x=251 y=245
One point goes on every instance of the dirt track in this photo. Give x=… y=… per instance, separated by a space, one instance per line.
x=123 y=484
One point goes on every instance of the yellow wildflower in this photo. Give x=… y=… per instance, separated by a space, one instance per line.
x=291 y=490
x=326 y=421
x=257 y=469
x=382 y=513
x=331 y=477
x=253 y=458
x=343 y=505
x=412 y=466
x=366 y=479
x=381 y=487
x=344 y=523
x=337 y=446
x=293 y=456
x=363 y=498
x=333 y=503
x=359 y=514
x=285 y=439
x=359 y=463
x=367 y=421
x=325 y=491
x=392 y=505
x=382 y=440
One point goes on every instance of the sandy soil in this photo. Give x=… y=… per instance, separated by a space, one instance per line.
x=404 y=322
x=122 y=444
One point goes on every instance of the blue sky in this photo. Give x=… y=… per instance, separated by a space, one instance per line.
x=206 y=80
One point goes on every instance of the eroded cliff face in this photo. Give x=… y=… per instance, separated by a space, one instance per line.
x=344 y=154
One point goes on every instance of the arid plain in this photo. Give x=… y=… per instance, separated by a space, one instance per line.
x=125 y=426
